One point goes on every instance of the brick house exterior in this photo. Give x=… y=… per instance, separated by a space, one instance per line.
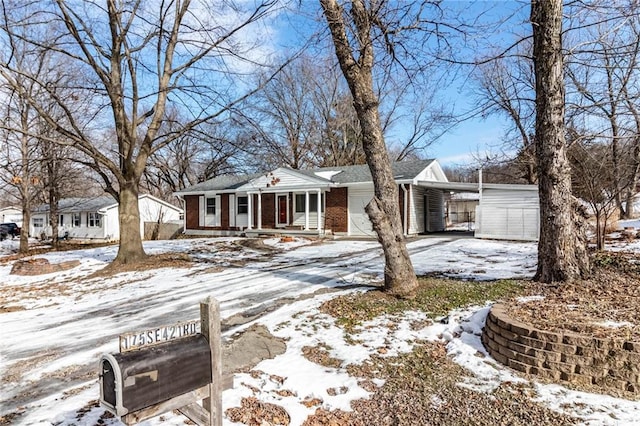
x=320 y=201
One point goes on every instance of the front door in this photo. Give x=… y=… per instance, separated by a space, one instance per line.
x=282 y=210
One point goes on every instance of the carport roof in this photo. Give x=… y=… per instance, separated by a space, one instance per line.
x=475 y=187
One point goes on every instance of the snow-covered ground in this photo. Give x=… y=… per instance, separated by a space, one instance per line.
x=55 y=327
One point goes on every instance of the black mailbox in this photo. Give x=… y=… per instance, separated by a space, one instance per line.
x=131 y=381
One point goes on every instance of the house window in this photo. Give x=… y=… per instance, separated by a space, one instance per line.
x=75 y=220
x=94 y=220
x=243 y=205
x=211 y=206
x=313 y=203
x=38 y=222
x=61 y=221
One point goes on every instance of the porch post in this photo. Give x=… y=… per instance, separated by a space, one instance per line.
x=259 y=210
x=306 y=210
x=319 y=211
x=250 y=210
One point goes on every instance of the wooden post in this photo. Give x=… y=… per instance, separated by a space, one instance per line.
x=210 y=328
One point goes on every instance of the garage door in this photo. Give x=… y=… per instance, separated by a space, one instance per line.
x=359 y=223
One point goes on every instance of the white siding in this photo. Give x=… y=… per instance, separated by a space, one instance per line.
x=508 y=215
x=111 y=225
x=212 y=219
x=82 y=232
x=416 y=210
x=298 y=219
x=152 y=211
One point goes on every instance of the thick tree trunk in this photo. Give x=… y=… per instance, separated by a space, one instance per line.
x=562 y=254
x=383 y=210
x=130 y=249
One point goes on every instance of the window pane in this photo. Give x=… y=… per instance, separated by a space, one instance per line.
x=300 y=203
x=211 y=206
x=243 y=205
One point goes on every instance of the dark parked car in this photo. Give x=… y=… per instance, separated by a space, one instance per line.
x=9 y=228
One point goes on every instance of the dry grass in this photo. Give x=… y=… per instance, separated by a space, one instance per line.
x=610 y=295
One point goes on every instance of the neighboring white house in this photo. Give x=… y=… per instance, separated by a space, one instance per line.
x=97 y=218
x=11 y=214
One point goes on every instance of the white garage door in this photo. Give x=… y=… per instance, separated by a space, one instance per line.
x=359 y=223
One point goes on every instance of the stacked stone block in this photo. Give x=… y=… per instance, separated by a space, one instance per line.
x=562 y=356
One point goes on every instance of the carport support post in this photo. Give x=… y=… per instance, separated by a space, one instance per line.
x=210 y=328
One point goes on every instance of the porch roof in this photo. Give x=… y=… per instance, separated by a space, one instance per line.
x=219 y=183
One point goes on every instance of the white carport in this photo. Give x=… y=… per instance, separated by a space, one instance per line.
x=505 y=211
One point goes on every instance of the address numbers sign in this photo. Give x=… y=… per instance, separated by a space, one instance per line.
x=137 y=340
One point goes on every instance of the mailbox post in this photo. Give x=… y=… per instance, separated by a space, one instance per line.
x=154 y=378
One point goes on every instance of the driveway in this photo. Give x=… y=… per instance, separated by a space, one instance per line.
x=58 y=325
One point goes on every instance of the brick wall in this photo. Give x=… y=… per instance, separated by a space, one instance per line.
x=562 y=356
x=224 y=211
x=268 y=211
x=336 y=210
x=191 y=210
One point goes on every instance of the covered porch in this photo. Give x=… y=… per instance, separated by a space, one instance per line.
x=299 y=212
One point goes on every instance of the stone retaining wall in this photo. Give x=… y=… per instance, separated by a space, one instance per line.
x=562 y=356
x=40 y=266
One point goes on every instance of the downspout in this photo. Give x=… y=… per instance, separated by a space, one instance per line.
x=406 y=208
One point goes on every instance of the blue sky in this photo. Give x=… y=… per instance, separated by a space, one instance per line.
x=467 y=140
x=493 y=25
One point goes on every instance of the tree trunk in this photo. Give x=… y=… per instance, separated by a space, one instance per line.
x=383 y=210
x=130 y=249
x=53 y=218
x=562 y=254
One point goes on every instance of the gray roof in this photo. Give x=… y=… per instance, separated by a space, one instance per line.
x=79 y=204
x=357 y=174
x=348 y=174
x=221 y=183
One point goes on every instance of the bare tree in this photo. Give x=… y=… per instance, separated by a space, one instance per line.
x=353 y=31
x=562 y=252
x=204 y=152
x=506 y=87
x=19 y=156
x=603 y=73
x=137 y=58
x=593 y=181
